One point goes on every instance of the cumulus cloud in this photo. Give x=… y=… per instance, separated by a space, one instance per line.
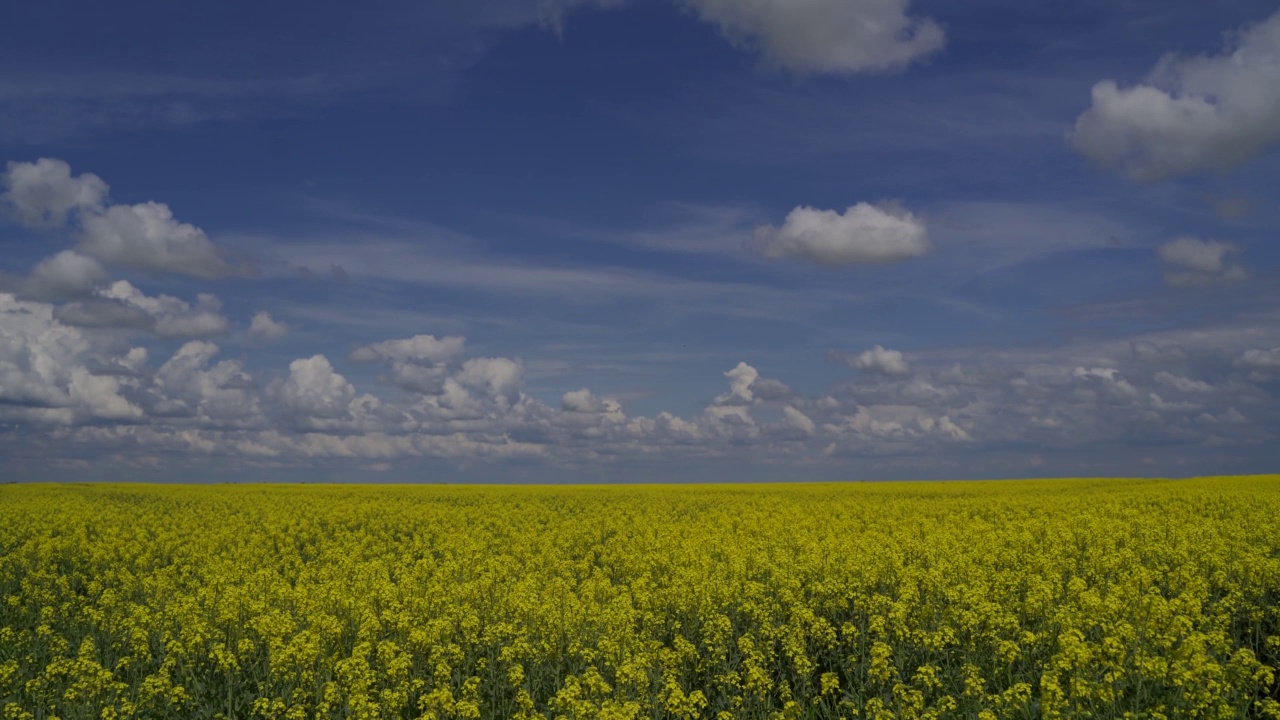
x=891 y=428
x=121 y=305
x=1191 y=114
x=1191 y=262
x=104 y=313
x=878 y=360
x=264 y=328
x=584 y=401
x=863 y=234
x=419 y=348
x=103 y=396
x=500 y=378
x=145 y=236
x=43 y=193
x=826 y=36
x=419 y=364
x=315 y=390
x=43 y=373
x=65 y=275
x=747 y=387
x=741 y=378
x=186 y=387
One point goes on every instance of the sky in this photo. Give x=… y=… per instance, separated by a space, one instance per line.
x=638 y=240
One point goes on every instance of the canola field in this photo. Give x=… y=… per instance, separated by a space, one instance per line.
x=1038 y=599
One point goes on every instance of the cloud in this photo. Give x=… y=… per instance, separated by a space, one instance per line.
x=1192 y=114
x=418 y=364
x=42 y=194
x=103 y=313
x=186 y=387
x=1109 y=378
x=121 y=305
x=1186 y=385
x=865 y=233
x=141 y=237
x=747 y=387
x=43 y=373
x=583 y=401
x=797 y=420
x=826 y=36
x=1259 y=359
x=947 y=407
x=174 y=318
x=147 y=237
x=877 y=361
x=1191 y=262
x=65 y=275
x=419 y=348
x=501 y=378
x=264 y=328
x=314 y=390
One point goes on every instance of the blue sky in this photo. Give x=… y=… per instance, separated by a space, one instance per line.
x=511 y=240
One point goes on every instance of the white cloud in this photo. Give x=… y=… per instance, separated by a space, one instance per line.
x=419 y=364
x=418 y=348
x=187 y=387
x=1184 y=384
x=826 y=36
x=1259 y=359
x=798 y=420
x=747 y=387
x=878 y=360
x=865 y=233
x=99 y=396
x=501 y=378
x=65 y=275
x=315 y=390
x=891 y=428
x=741 y=378
x=1109 y=378
x=1052 y=400
x=264 y=328
x=147 y=237
x=950 y=429
x=120 y=304
x=1193 y=114
x=583 y=401
x=142 y=237
x=42 y=193
x=1191 y=262
x=43 y=376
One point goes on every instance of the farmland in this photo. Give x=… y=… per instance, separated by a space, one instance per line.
x=1066 y=598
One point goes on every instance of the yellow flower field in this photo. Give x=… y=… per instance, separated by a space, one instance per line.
x=1070 y=599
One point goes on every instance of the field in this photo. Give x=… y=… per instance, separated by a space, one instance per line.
x=1069 y=599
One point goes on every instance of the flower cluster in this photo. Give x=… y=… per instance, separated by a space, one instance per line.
x=1053 y=599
